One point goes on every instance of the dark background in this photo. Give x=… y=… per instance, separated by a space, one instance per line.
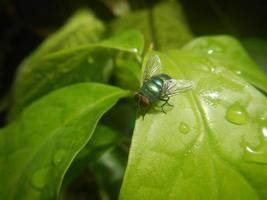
x=26 y=23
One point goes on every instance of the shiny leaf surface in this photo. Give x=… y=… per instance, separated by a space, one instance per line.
x=37 y=149
x=212 y=144
x=229 y=53
x=93 y=62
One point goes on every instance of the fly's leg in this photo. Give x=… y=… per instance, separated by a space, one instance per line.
x=166 y=102
x=140 y=111
x=162 y=110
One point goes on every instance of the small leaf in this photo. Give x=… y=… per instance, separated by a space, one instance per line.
x=229 y=53
x=37 y=149
x=211 y=145
x=127 y=74
x=163 y=25
x=85 y=63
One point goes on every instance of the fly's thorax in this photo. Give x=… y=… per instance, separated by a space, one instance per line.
x=157 y=81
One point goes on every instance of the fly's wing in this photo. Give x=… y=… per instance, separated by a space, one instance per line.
x=173 y=87
x=153 y=65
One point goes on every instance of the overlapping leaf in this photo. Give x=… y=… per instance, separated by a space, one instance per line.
x=37 y=149
x=93 y=62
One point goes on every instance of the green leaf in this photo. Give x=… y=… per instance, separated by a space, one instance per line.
x=228 y=52
x=37 y=149
x=93 y=62
x=130 y=41
x=127 y=74
x=211 y=145
x=163 y=25
x=103 y=139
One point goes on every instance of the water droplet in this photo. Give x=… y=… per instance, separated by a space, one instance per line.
x=264 y=131
x=213 y=69
x=184 y=128
x=238 y=72
x=134 y=50
x=237 y=114
x=39 y=178
x=90 y=60
x=256 y=156
x=58 y=157
x=210 y=51
x=263 y=126
x=213 y=48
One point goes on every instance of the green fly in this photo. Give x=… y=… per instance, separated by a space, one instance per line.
x=159 y=87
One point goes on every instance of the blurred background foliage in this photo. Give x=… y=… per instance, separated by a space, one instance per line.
x=25 y=24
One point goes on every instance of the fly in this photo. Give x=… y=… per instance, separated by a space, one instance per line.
x=159 y=87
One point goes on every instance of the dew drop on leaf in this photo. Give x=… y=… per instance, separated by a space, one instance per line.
x=210 y=51
x=39 y=178
x=213 y=69
x=256 y=156
x=264 y=131
x=58 y=157
x=238 y=72
x=213 y=48
x=263 y=126
x=237 y=114
x=134 y=50
x=184 y=128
